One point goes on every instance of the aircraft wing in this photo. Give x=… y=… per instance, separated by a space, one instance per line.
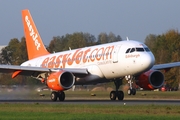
x=166 y=66
x=28 y=70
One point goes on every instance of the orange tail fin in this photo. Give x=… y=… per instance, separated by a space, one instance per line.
x=34 y=44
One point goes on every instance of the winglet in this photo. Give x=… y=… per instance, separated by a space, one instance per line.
x=34 y=44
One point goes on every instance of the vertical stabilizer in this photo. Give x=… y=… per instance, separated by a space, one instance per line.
x=34 y=44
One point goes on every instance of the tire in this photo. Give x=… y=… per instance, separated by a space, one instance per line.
x=54 y=96
x=61 y=96
x=113 y=95
x=133 y=91
x=120 y=95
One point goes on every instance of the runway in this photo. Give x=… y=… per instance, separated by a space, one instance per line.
x=100 y=102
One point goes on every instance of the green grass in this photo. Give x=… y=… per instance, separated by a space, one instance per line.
x=87 y=112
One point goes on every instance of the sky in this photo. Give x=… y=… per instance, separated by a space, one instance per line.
x=134 y=19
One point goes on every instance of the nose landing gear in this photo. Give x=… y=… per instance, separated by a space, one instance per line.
x=131 y=90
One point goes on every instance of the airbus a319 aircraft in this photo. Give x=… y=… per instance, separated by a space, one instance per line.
x=110 y=62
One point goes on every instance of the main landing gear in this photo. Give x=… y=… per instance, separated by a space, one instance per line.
x=59 y=94
x=117 y=94
x=131 y=90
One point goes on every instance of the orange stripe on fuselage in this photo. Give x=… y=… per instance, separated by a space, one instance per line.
x=78 y=56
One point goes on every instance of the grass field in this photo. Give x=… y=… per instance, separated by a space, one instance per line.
x=36 y=111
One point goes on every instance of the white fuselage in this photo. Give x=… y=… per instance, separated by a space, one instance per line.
x=107 y=61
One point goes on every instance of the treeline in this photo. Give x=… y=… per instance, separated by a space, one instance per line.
x=15 y=52
x=79 y=40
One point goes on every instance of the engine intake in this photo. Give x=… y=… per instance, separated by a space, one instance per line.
x=150 y=80
x=60 y=81
x=66 y=80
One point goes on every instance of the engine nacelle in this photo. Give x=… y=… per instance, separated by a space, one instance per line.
x=150 y=80
x=61 y=80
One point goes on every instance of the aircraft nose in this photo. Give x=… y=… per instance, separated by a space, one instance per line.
x=148 y=61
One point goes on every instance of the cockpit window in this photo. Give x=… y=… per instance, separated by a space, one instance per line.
x=132 y=50
x=147 y=49
x=140 y=49
x=127 y=51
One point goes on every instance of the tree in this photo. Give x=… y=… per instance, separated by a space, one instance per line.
x=102 y=38
x=55 y=44
x=76 y=40
x=9 y=53
x=22 y=51
x=90 y=39
x=71 y=41
x=150 y=41
x=112 y=37
x=5 y=57
x=15 y=53
x=118 y=38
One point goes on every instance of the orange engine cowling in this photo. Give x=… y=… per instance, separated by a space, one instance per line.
x=60 y=81
x=150 y=80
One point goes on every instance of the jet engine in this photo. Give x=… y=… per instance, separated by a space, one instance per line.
x=60 y=81
x=150 y=80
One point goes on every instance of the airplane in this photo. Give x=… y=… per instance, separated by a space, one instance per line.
x=111 y=62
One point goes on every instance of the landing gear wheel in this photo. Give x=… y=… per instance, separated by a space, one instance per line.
x=133 y=91
x=113 y=95
x=54 y=96
x=116 y=93
x=61 y=96
x=120 y=95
